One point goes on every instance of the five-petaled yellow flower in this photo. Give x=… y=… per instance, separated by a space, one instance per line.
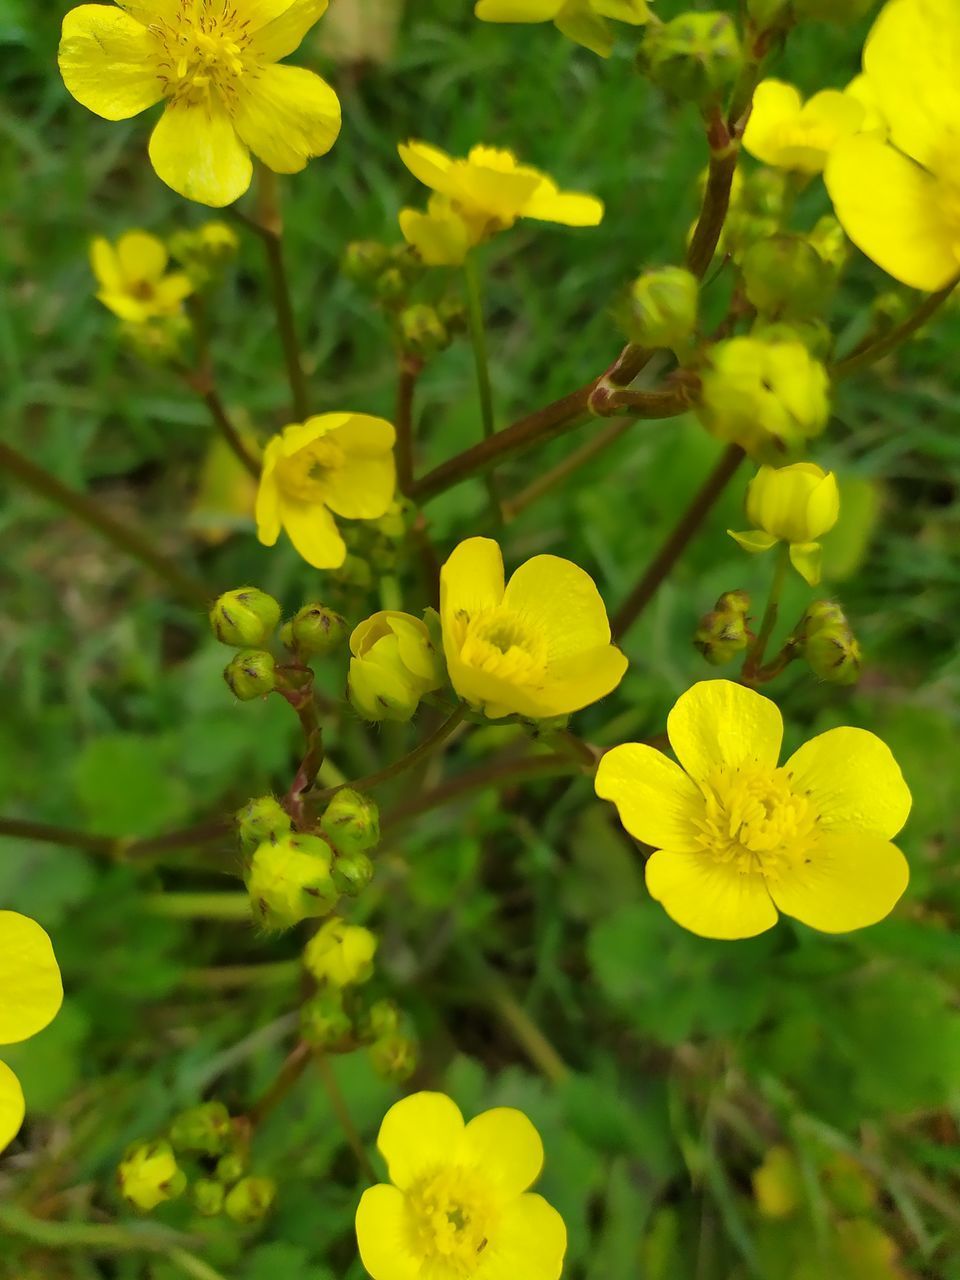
x=539 y=646
x=583 y=21
x=789 y=133
x=212 y=63
x=133 y=280
x=739 y=837
x=476 y=197
x=459 y=1207
x=30 y=996
x=899 y=201
x=797 y=505
x=339 y=463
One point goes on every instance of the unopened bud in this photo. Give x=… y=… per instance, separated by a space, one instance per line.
x=325 y=1024
x=205 y=1129
x=205 y=252
x=251 y=1200
x=381 y=1020
x=289 y=881
x=352 y=873
x=364 y=260
x=829 y=645
x=354 y=572
x=244 y=619
x=232 y=1167
x=694 y=57
x=723 y=632
x=208 y=1196
x=785 y=276
x=250 y=674
x=422 y=332
x=830 y=242
x=341 y=954
x=394 y=665
x=392 y=285
x=394 y=1057
x=661 y=309
x=452 y=313
x=260 y=820
x=156 y=340
x=315 y=631
x=351 y=822
x=149 y=1175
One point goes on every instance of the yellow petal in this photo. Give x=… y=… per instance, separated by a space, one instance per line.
x=754 y=540
x=717 y=722
x=267 y=511
x=440 y=241
x=298 y=435
x=657 y=802
x=107 y=60
x=504 y=1144
x=712 y=899
x=570 y=208
x=580 y=679
x=428 y=164
x=141 y=256
x=287 y=116
x=11 y=1106
x=805 y=558
x=106 y=265
x=29 y=978
x=529 y=1243
x=562 y=601
x=578 y=22
x=490 y=182
x=848 y=882
x=172 y=289
x=313 y=531
x=633 y=11
x=365 y=436
x=491 y=694
x=284 y=33
x=418 y=1134
x=471 y=579
x=383 y=1233
x=892 y=210
x=853 y=781
x=518 y=10
x=775 y=103
x=363 y=489
x=196 y=151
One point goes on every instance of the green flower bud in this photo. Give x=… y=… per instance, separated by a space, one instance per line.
x=341 y=954
x=351 y=822
x=392 y=285
x=352 y=873
x=695 y=57
x=205 y=252
x=723 y=632
x=250 y=674
x=829 y=645
x=149 y=1175
x=232 y=1167
x=661 y=309
x=381 y=1021
x=315 y=631
x=355 y=572
x=251 y=1200
x=453 y=313
x=261 y=820
x=830 y=242
x=422 y=332
x=888 y=310
x=394 y=665
x=365 y=260
x=785 y=276
x=208 y=1196
x=325 y=1024
x=244 y=619
x=289 y=881
x=205 y=1129
x=394 y=1057
x=158 y=340
x=839 y=12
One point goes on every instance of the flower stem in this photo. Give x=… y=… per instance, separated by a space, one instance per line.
x=478 y=336
x=342 y=1112
x=410 y=370
x=270 y=228
x=203 y=381
x=306 y=708
x=543 y=485
x=286 y=1079
x=874 y=349
x=131 y=541
x=754 y=659
x=198 y=906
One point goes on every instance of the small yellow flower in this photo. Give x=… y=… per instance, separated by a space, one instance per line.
x=133 y=280
x=459 y=1207
x=778 y=1184
x=335 y=464
x=394 y=665
x=538 y=647
x=899 y=201
x=739 y=837
x=583 y=21
x=479 y=196
x=340 y=953
x=149 y=1175
x=213 y=64
x=796 y=505
x=30 y=996
x=789 y=133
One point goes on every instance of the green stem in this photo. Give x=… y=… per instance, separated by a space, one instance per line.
x=203 y=381
x=754 y=659
x=114 y=848
x=270 y=228
x=222 y=421
x=130 y=541
x=198 y=906
x=339 y=1104
x=426 y=748
x=306 y=775
x=574 y=748
x=478 y=336
x=286 y=1080
x=274 y=973
x=873 y=350
x=555 y=476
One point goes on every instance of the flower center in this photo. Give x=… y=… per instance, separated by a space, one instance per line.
x=754 y=819
x=305 y=475
x=451 y=1214
x=503 y=644
x=202 y=51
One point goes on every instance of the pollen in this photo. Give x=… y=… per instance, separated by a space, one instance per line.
x=755 y=819
x=451 y=1216
x=203 y=51
x=503 y=643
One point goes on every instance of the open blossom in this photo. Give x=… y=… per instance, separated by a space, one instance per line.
x=789 y=133
x=30 y=996
x=213 y=65
x=739 y=837
x=899 y=200
x=459 y=1207
x=583 y=21
x=133 y=280
x=796 y=505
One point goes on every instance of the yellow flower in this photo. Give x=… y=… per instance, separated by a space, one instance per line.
x=132 y=279
x=339 y=463
x=394 y=664
x=583 y=21
x=738 y=836
x=479 y=196
x=340 y=953
x=789 y=133
x=212 y=63
x=459 y=1207
x=539 y=647
x=899 y=201
x=149 y=1175
x=862 y=90
x=30 y=996
x=797 y=505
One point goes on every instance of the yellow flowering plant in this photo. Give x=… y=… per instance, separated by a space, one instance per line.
x=133 y=279
x=795 y=505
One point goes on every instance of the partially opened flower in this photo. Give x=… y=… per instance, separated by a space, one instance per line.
x=213 y=64
x=796 y=505
x=133 y=279
x=393 y=665
x=899 y=201
x=30 y=996
x=334 y=464
x=789 y=133
x=538 y=646
x=583 y=21
x=739 y=837
x=459 y=1207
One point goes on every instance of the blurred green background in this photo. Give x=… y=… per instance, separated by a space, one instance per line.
x=689 y=1060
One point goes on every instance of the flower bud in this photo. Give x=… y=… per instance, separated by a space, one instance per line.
x=355 y=572
x=232 y=1167
x=785 y=276
x=364 y=260
x=205 y=1129
x=795 y=504
x=250 y=674
x=352 y=873
x=695 y=57
x=661 y=308
x=829 y=645
x=205 y=252
x=831 y=243
x=315 y=631
x=251 y=1200
x=289 y=881
x=381 y=1020
x=149 y=1175
x=208 y=1196
x=351 y=822
x=392 y=285
x=341 y=954
x=156 y=340
x=422 y=332
x=244 y=619
x=723 y=632
x=325 y=1024
x=263 y=819
x=394 y=664
x=394 y=1057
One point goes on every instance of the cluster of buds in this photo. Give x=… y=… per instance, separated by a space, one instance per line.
x=205 y=252
x=828 y=644
x=725 y=631
x=390 y=274
x=695 y=57
x=395 y=662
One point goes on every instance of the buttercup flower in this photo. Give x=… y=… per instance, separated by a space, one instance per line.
x=899 y=201
x=583 y=21
x=133 y=280
x=739 y=837
x=335 y=464
x=459 y=1207
x=789 y=133
x=340 y=953
x=212 y=62
x=796 y=505
x=30 y=996
x=394 y=664
x=479 y=196
x=539 y=646
x=149 y=1175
